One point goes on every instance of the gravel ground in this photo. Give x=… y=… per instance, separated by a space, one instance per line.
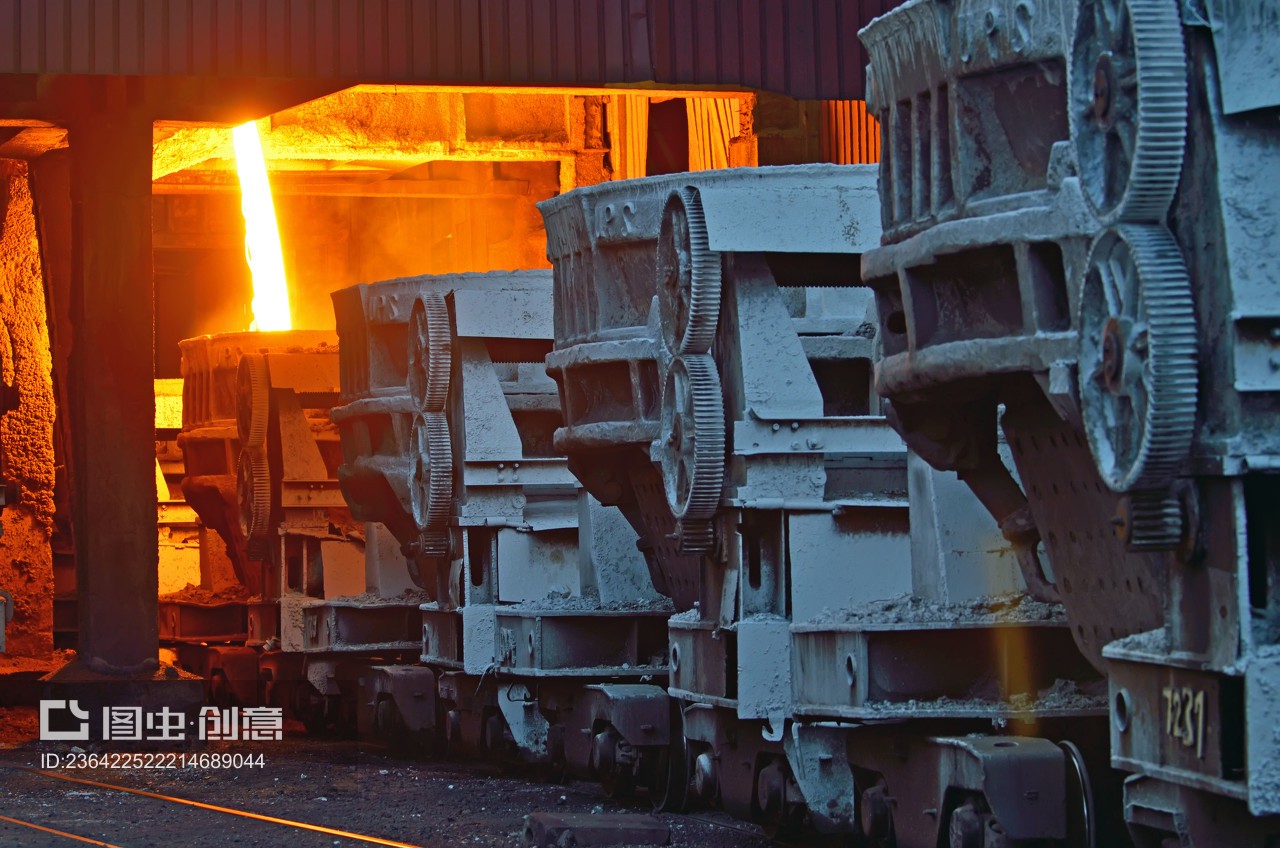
x=337 y=784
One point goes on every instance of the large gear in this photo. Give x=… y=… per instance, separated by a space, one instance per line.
x=694 y=535
x=430 y=352
x=691 y=446
x=688 y=276
x=1150 y=521
x=253 y=494
x=431 y=487
x=1138 y=357
x=1128 y=106
x=253 y=400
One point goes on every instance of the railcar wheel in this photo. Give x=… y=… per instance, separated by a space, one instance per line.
x=1082 y=823
x=779 y=816
x=388 y=726
x=669 y=780
x=614 y=772
x=968 y=825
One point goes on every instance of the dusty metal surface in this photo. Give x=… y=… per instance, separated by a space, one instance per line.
x=608 y=360
x=1138 y=415
x=376 y=419
x=539 y=640
x=262 y=457
x=975 y=283
x=210 y=441
x=715 y=369
x=536 y=590
x=1247 y=69
x=202 y=622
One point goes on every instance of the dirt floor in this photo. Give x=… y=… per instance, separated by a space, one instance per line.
x=343 y=785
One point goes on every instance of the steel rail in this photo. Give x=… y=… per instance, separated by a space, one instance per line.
x=345 y=834
x=56 y=832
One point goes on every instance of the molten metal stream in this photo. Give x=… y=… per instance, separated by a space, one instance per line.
x=261 y=234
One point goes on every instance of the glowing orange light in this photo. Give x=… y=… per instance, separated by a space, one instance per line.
x=261 y=234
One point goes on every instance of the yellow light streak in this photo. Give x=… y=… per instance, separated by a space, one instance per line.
x=261 y=233
x=345 y=834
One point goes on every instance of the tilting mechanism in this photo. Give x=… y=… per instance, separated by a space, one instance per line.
x=691 y=438
x=430 y=367
x=1128 y=102
x=253 y=470
x=1137 y=342
x=1138 y=368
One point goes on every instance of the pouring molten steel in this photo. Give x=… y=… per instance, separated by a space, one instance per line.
x=261 y=236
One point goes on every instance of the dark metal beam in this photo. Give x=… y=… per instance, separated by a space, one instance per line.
x=111 y=399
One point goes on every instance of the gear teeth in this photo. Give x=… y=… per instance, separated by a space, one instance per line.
x=1149 y=264
x=694 y=536
x=432 y=485
x=253 y=485
x=1157 y=108
x=253 y=400
x=1155 y=521
x=694 y=332
x=434 y=544
x=430 y=352
x=692 y=437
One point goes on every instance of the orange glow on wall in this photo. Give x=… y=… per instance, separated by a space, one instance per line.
x=850 y=134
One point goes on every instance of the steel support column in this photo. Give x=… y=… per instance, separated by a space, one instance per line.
x=111 y=395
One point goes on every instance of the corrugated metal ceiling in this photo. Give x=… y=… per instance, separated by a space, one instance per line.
x=804 y=48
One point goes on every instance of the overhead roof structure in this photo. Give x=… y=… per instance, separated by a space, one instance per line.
x=803 y=48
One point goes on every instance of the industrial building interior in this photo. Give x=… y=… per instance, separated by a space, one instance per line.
x=370 y=182
x=630 y=422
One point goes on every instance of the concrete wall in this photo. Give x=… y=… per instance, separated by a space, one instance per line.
x=26 y=429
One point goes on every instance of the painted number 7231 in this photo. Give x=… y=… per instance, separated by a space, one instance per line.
x=1184 y=717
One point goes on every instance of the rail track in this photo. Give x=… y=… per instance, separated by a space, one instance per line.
x=59 y=833
x=139 y=818
x=294 y=824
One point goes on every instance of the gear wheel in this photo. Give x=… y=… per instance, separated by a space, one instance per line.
x=691 y=445
x=694 y=536
x=1137 y=357
x=253 y=400
x=1128 y=106
x=253 y=494
x=431 y=487
x=430 y=352
x=688 y=274
x=1150 y=521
